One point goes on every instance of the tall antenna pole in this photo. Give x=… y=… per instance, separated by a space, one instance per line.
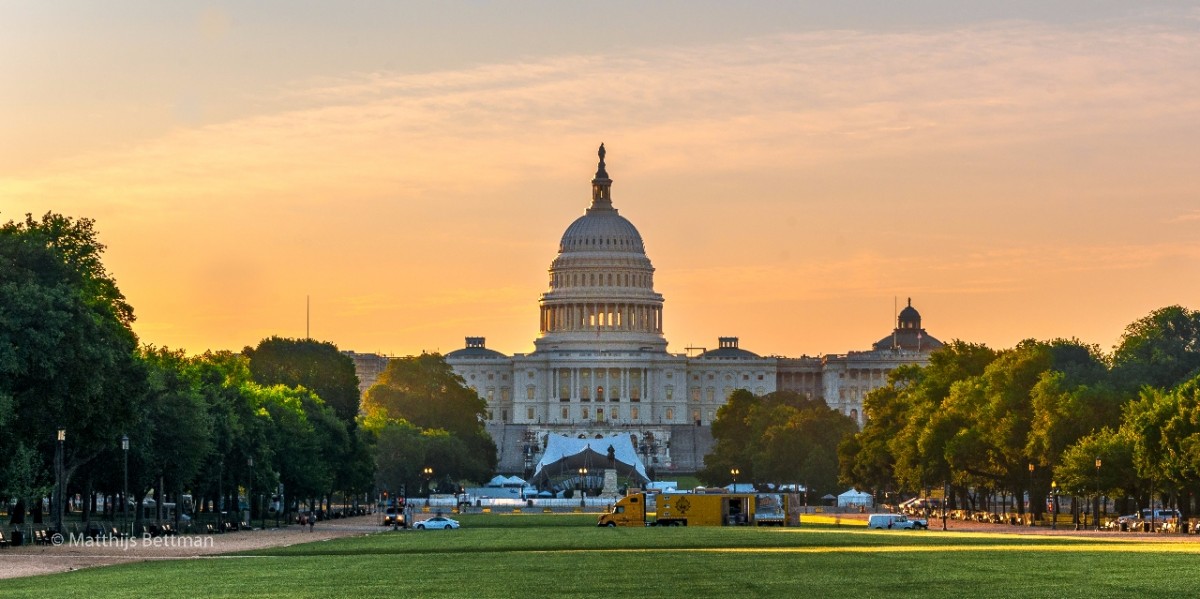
x=307 y=317
x=895 y=320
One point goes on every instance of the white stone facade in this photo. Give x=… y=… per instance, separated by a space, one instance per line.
x=601 y=364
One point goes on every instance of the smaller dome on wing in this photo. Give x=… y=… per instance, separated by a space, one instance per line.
x=476 y=348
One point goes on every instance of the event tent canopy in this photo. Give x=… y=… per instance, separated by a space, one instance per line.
x=564 y=456
x=854 y=497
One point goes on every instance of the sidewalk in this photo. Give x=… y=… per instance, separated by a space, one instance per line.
x=30 y=560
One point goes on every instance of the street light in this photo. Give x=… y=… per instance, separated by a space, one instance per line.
x=1096 y=513
x=734 y=472
x=428 y=473
x=1054 y=506
x=1031 y=493
x=582 y=490
x=250 y=491
x=125 y=495
x=60 y=491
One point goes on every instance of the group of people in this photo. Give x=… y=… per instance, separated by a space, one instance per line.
x=308 y=518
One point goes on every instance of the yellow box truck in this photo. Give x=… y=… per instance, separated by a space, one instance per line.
x=699 y=509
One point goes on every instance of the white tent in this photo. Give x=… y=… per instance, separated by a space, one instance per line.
x=564 y=456
x=854 y=498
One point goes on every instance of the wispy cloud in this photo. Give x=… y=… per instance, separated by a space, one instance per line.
x=1186 y=217
x=436 y=170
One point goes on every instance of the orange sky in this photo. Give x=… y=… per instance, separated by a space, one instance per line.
x=1017 y=178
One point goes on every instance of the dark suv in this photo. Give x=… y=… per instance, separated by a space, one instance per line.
x=394 y=516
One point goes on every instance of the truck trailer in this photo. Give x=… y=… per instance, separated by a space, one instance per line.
x=696 y=509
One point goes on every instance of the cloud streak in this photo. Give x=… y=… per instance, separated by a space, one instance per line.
x=432 y=173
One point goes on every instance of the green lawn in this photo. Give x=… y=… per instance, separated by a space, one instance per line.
x=563 y=556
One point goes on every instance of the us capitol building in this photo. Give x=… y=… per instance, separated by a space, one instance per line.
x=601 y=366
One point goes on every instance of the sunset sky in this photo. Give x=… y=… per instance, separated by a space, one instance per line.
x=793 y=167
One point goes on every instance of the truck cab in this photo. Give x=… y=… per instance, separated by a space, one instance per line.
x=627 y=511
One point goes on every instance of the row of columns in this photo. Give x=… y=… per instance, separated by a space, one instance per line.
x=640 y=318
x=573 y=379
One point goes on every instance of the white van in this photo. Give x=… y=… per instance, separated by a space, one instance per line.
x=896 y=522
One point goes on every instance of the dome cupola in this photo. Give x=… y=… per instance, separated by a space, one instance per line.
x=601 y=283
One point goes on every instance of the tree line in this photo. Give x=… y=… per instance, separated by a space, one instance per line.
x=282 y=415
x=1042 y=419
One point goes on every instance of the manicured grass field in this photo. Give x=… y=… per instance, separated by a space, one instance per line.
x=565 y=556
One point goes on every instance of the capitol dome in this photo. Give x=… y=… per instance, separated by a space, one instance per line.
x=602 y=231
x=601 y=293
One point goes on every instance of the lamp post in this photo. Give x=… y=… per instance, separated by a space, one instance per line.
x=125 y=494
x=734 y=472
x=1096 y=508
x=945 y=499
x=1054 y=506
x=59 y=490
x=582 y=488
x=1031 y=493
x=250 y=490
x=428 y=473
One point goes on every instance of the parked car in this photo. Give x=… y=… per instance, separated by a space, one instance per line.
x=438 y=522
x=896 y=522
x=394 y=516
x=1147 y=515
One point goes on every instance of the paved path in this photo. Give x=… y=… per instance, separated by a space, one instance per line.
x=32 y=560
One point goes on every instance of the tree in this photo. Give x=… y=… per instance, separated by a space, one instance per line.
x=67 y=352
x=424 y=392
x=175 y=432
x=314 y=365
x=914 y=431
x=780 y=437
x=732 y=431
x=1160 y=350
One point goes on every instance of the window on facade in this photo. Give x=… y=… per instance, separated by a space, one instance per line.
x=504 y=394
x=745 y=377
x=599 y=414
x=491 y=376
x=504 y=415
x=529 y=413
x=490 y=415
x=635 y=394
x=633 y=413
x=491 y=395
x=599 y=393
x=565 y=414
x=583 y=412
x=696 y=416
x=712 y=394
x=670 y=414
x=670 y=391
x=530 y=392
x=760 y=377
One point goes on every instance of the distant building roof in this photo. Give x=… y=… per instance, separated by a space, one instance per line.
x=908 y=334
x=476 y=348
x=728 y=350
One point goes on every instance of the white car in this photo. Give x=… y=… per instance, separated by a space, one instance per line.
x=438 y=522
x=896 y=522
